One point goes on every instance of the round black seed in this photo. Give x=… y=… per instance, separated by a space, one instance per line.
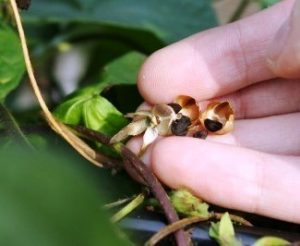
x=179 y=127
x=212 y=125
x=201 y=134
x=176 y=107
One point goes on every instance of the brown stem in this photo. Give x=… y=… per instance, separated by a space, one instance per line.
x=172 y=228
x=234 y=218
x=90 y=134
x=143 y=171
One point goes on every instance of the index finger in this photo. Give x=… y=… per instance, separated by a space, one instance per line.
x=214 y=62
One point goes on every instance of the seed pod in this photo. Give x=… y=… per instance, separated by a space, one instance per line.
x=189 y=107
x=176 y=107
x=187 y=204
x=165 y=116
x=218 y=118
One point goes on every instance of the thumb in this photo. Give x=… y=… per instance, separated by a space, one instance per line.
x=284 y=52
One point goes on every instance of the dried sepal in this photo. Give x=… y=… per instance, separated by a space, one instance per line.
x=189 y=107
x=218 y=118
x=165 y=115
x=138 y=115
x=149 y=137
x=132 y=129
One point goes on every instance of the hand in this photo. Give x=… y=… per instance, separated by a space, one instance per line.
x=257 y=167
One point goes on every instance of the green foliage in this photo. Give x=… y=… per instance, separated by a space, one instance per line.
x=123 y=70
x=47 y=199
x=267 y=3
x=92 y=111
x=187 y=204
x=11 y=61
x=223 y=232
x=170 y=20
x=87 y=107
x=271 y=241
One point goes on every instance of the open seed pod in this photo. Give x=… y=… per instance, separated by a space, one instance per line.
x=164 y=115
x=189 y=107
x=218 y=118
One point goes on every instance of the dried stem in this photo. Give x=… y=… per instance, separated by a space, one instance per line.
x=137 y=166
x=239 y=11
x=233 y=217
x=167 y=230
x=86 y=152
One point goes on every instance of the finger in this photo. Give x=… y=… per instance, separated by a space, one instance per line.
x=273 y=97
x=214 y=62
x=231 y=177
x=276 y=134
x=284 y=52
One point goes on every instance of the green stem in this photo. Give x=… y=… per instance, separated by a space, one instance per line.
x=128 y=208
x=117 y=203
x=240 y=10
x=12 y=127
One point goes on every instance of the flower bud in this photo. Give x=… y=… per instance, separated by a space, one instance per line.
x=187 y=204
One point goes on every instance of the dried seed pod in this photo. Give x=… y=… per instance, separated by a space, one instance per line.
x=189 y=107
x=175 y=106
x=218 y=118
x=165 y=115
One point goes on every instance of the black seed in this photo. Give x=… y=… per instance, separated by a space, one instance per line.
x=212 y=125
x=179 y=127
x=201 y=134
x=176 y=107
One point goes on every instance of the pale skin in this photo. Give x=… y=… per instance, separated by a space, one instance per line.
x=255 y=64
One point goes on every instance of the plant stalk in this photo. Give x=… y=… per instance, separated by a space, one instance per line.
x=137 y=166
x=239 y=11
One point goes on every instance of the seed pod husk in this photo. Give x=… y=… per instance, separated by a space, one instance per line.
x=189 y=107
x=218 y=118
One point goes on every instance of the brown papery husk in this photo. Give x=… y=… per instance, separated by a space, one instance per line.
x=189 y=107
x=221 y=112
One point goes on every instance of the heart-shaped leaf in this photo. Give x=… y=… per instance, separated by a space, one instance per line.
x=170 y=20
x=11 y=61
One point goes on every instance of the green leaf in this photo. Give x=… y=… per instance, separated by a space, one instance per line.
x=11 y=61
x=226 y=229
x=48 y=199
x=223 y=232
x=267 y=3
x=214 y=230
x=87 y=107
x=170 y=20
x=92 y=111
x=271 y=241
x=123 y=70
